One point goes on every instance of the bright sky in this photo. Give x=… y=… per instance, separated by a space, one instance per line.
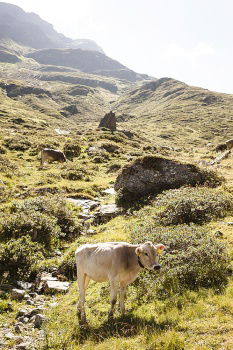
x=189 y=40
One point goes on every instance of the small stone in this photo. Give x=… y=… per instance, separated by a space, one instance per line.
x=19 y=340
x=21 y=312
x=18 y=328
x=30 y=302
x=9 y=335
x=23 y=346
x=26 y=297
x=18 y=294
x=33 y=295
x=56 y=286
x=36 y=311
x=39 y=319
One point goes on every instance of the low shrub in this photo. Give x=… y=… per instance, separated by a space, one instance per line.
x=73 y=171
x=18 y=258
x=67 y=266
x=72 y=149
x=53 y=207
x=7 y=167
x=197 y=205
x=40 y=227
x=193 y=259
x=18 y=143
x=5 y=193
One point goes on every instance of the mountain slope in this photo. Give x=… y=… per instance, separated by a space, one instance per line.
x=173 y=110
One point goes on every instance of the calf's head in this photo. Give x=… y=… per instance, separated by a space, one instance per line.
x=148 y=255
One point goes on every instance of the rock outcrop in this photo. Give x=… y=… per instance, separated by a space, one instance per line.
x=108 y=121
x=151 y=175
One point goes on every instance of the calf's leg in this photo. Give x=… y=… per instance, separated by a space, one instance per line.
x=83 y=281
x=122 y=297
x=113 y=297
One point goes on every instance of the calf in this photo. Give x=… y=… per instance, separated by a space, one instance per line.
x=116 y=262
x=51 y=155
x=229 y=144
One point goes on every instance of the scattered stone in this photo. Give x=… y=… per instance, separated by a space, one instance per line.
x=18 y=294
x=109 y=191
x=39 y=319
x=90 y=232
x=23 y=319
x=21 y=312
x=106 y=213
x=30 y=302
x=218 y=234
x=18 y=327
x=36 y=311
x=9 y=335
x=108 y=121
x=24 y=285
x=23 y=346
x=56 y=286
x=18 y=340
x=33 y=295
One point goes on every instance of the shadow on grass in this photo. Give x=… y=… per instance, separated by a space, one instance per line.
x=123 y=326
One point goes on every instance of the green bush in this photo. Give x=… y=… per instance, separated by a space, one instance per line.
x=73 y=171
x=5 y=193
x=18 y=143
x=54 y=207
x=18 y=258
x=7 y=167
x=197 y=205
x=67 y=266
x=193 y=259
x=72 y=149
x=40 y=227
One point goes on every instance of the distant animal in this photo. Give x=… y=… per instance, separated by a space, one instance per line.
x=229 y=144
x=51 y=155
x=116 y=262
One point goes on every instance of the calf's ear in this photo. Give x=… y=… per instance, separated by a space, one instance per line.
x=160 y=248
x=138 y=250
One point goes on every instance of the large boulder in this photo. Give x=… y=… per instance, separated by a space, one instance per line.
x=152 y=175
x=108 y=121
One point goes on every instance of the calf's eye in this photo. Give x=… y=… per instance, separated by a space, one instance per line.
x=146 y=254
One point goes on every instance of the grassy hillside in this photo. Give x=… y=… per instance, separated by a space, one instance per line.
x=173 y=113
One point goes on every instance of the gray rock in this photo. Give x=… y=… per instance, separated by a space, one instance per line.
x=21 y=312
x=56 y=286
x=108 y=121
x=18 y=327
x=106 y=213
x=19 y=340
x=23 y=346
x=39 y=319
x=151 y=175
x=33 y=295
x=9 y=335
x=18 y=294
x=36 y=311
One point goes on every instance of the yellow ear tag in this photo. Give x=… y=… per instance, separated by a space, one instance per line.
x=160 y=251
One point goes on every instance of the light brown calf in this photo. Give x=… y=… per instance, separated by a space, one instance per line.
x=116 y=262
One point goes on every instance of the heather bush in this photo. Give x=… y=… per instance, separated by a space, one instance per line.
x=18 y=258
x=55 y=208
x=197 y=205
x=72 y=149
x=193 y=259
